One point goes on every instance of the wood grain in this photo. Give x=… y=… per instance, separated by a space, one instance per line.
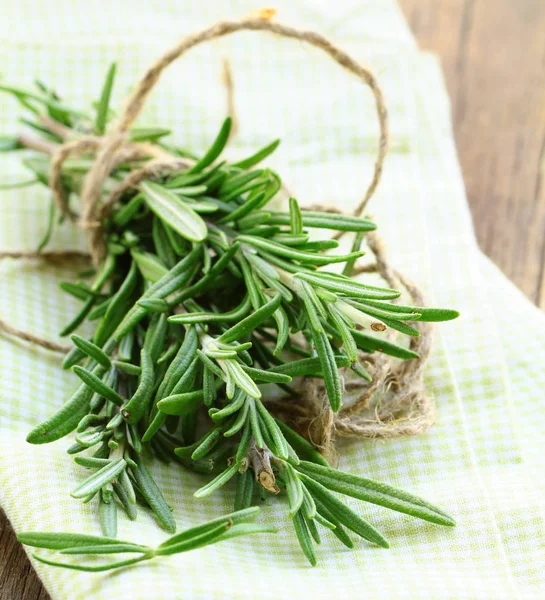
x=493 y=55
x=18 y=580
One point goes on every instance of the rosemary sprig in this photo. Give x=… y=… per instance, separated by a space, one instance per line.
x=205 y=293
x=76 y=544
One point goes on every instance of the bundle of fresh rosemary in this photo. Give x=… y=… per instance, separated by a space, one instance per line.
x=205 y=293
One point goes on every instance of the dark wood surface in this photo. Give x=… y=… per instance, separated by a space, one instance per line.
x=18 y=580
x=493 y=55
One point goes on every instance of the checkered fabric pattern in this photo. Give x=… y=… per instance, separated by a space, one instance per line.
x=482 y=461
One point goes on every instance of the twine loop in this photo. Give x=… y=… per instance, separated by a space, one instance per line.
x=114 y=147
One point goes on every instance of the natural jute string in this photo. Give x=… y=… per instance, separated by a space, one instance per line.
x=109 y=148
x=393 y=404
x=33 y=339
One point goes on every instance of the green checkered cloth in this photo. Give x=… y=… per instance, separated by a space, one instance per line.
x=482 y=461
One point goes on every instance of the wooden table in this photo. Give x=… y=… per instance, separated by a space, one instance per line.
x=493 y=55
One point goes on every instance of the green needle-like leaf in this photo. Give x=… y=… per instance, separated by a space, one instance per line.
x=244 y=209
x=218 y=482
x=186 y=179
x=348 y=287
x=305 y=450
x=370 y=343
x=275 y=432
x=256 y=158
x=93 y=568
x=344 y=514
x=69 y=415
x=296 y=218
x=174 y=212
x=330 y=372
x=313 y=306
x=375 y=492
x=293 y=254
x=45 y=100
x=255 y=425
x=208 y=280
x=99 y=479
x=153 y=496
x=236 y=314
x=62 y=541
x=97 y=385
x=107 y=549
x=266 y=376
x=104 y=103
x=150 y=265
x=247 y=325
x=170 y=282
x=235 y=371
x=426 y=314
x=92 y=462
x=126 y=213
x=116 y=307
x=358 y=241
x=296 y=495
x=238 y=181
x=245 y=529
x=236 y=403
x=379 y=313
x=137 y=406
x=77 y=290
x=240 y=421
x=197 y=541
x=208 y=442
x=401 y=327
x=181 y=404
x=50 y=226
x=107 y=513
x=304 y=538
x=308 y=366
x=92 y=350
x=154 y=305
x=215 y=149
x=324 y=220
x=234 y=518
x=224 y=528
x=324 y=514
x=189 y=191
x=128 y=368
x=245 y=490
x=147 y=134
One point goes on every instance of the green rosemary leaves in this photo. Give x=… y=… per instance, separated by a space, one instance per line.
x=205 y=294
x=77 y=544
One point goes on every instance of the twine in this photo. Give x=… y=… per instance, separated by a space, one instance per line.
x=33 y=339
x=53 y=256
x=394 y=403
x=109 y=148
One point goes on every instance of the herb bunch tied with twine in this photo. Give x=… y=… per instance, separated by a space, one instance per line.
x=213 y=316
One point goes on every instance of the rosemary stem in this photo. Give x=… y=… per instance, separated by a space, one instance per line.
x=260 y=458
